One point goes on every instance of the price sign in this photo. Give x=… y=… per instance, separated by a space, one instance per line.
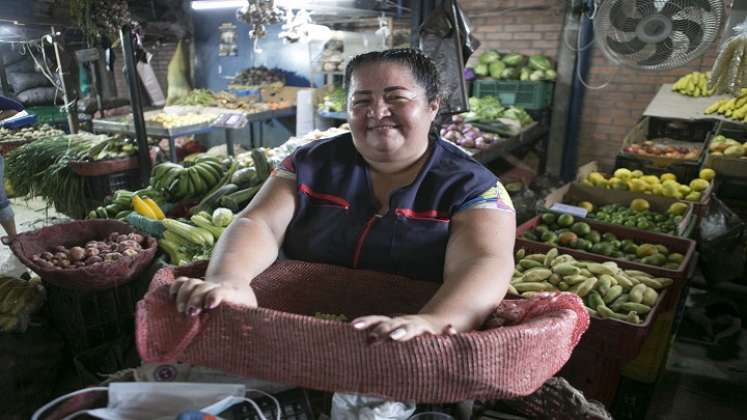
x=231 y=120
x=573 y=210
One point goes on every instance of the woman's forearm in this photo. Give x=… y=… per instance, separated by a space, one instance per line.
x=244 y=250
x=472 y=289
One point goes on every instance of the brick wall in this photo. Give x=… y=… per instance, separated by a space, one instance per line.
x=608 y=114
x=162 y=54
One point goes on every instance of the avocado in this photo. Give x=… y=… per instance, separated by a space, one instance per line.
x=594 y=236
x=662 y=249
x=581 y=228
x=549 y=218
x=549 y=237
x=565 y=220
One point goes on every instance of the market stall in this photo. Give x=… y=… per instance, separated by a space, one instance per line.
x=609 y=264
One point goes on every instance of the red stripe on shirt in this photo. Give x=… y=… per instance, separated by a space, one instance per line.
x=433 y=215
x=362 y=239
x=327 y=197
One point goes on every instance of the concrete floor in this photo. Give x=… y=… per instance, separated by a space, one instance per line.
x=30 y=215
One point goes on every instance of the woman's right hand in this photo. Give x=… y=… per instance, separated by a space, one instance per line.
x=195 y=295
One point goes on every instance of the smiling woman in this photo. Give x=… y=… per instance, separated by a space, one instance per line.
x=388 y=197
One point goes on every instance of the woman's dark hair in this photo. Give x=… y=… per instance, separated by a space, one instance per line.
x=422 y=68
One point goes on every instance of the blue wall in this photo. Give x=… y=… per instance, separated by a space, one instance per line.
x=214 y=72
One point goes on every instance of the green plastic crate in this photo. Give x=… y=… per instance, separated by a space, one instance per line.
x=522 y=93
x=48 y=114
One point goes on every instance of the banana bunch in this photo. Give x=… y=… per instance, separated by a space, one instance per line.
x=693 y=84
x=174 y=120
x=18 y=300
x=179 y=182
x=734 y=108
x=729 y=73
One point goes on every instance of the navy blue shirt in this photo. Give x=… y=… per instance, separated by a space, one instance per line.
x=336 y=220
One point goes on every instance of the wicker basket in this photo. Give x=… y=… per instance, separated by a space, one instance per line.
x=96 y=277
x=282 y=342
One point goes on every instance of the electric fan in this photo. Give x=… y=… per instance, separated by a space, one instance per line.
x=657 y=34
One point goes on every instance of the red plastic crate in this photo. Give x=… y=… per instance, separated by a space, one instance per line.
x=619 y=339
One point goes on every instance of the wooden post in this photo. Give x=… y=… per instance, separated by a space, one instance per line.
x=67 y=91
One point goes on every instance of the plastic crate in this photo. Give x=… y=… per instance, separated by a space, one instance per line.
x=522 y=93
x=683 y=171
x=653 y=355
x=105 y=185
x=680 y=276
x=51 y=115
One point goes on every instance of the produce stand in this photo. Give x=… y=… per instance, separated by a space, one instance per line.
x=125 y=125
x=528 y=136
x=669 y=104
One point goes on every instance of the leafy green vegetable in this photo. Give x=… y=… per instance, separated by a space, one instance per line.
x=487 y=108
x=334 y=102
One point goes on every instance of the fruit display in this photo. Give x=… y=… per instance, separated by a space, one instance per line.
x=638 y=215
x=562 y=229
x=726 y=147
x=665 y=185
x=466 y=135
x=660 y=148
x=18 y=300
x=193 y=240
x=115 y=247
x=514 y=66
x=255 y=76
x=733 y=108
x=249 y=104
x=29 y=133
x=693 y=84
x=193 y=179
x=334 y=101
x=123 y=202
x=167 y=120
x=608 y=291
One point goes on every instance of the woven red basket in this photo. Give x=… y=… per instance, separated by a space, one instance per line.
x=96 y=277
x=522 y=346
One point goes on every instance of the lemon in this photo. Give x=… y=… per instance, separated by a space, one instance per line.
x=636 y=185
x=595 y=176
x=618 y=184
x=586 y=205
x=707 y=173
x=623 y=174
x=668 y=177
x=639 y=205
x=650 y=179
x=669 y=190
x=699 y=185
x=601 y=183
x=684 y=189
x=693 y=196
x=637 y=173
x=677 y=209
x=657 y=189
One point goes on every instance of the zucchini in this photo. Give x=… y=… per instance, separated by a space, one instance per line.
x=235 y=200
x=211 y=200
x=261 y=165
x=244 y=177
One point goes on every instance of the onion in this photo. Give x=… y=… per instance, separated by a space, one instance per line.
x=91 y=243
x=129 y=252
x=60 y=248
x=93 y=260
x=457 y=119
x=92 y=252
x=64 y=263
x=443 y=131
x=113 y=236
x=471 y=134
x=122 y=238
x=452 y=127
x=77 y=253
x=468 y=143
x=46 y=264
x=452 y=135
x=60 y=255
x=47 y=255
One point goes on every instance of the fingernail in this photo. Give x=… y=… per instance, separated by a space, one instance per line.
x=212 y=305
x=397 y=334
x=192 y=311
x=452 y=330
x=359 y=325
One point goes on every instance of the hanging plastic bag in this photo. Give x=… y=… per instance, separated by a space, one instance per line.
x=720 y=243
x=445 y=35
x=363 y=407
x=728 y=75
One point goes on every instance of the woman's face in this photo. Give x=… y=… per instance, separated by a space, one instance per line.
x=389 y=113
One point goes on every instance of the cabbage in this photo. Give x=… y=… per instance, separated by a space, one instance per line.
x=496 y=69
x=537 y=75
x=481 y=70
x=550 y=74
x=540 y=62
x=489 y=57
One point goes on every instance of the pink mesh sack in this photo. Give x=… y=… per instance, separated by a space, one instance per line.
x=523 y=344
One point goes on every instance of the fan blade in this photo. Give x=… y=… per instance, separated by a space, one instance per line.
x=645 y=7
x=673 y=6
x=626 y=48
x=620 y=21
x=663 y=52
x=692 y=31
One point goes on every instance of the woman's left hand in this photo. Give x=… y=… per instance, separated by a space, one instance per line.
x=401 y=328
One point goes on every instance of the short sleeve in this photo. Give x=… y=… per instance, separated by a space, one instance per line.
x=496 y=198
x=286 y=169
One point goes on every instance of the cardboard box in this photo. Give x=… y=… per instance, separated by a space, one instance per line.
x=590 y=167
x=724 y=165
x=574 y=193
